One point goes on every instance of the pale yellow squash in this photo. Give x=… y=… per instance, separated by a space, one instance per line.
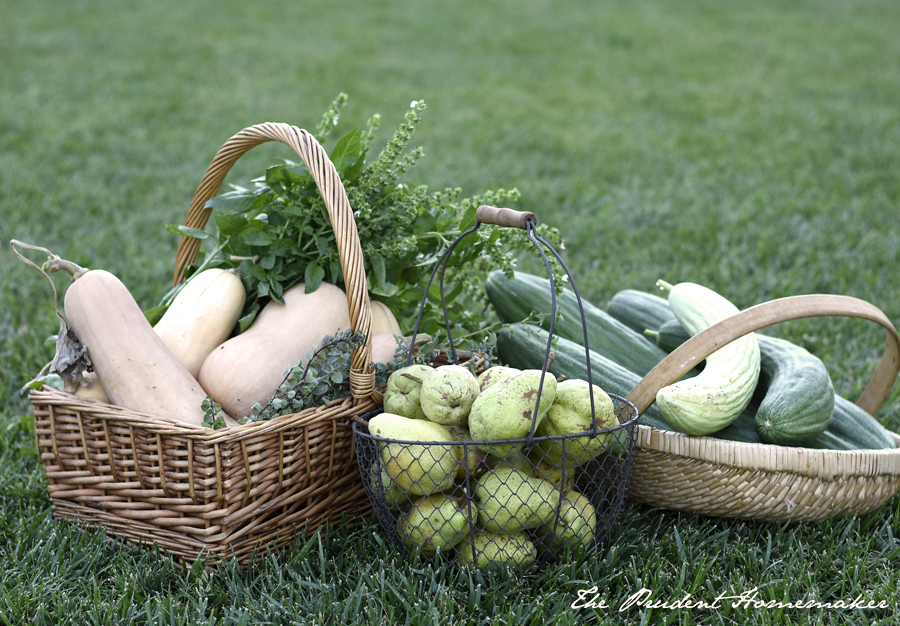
x=248 y=368
x=383 y=319
x=133 y=364
x=202 y=316
x=94 y=390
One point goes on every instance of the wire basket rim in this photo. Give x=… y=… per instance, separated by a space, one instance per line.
x=496 y=442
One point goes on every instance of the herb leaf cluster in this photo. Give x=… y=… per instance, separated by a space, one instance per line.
x=278 y=232
x=324 y=378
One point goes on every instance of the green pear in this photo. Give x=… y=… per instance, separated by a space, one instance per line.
x=550 y=471
x=514 y=460
x=570 y=414
x=448 y=394
x=510 y=500
x=489 y=549
x=576 y=526
x=418 y=469
x=471 y=459
x=505 y=410
x=394 y=497
x=494 y=375
x=436 y=523
x=403 y=390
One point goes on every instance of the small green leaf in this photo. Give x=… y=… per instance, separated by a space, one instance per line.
x=377 y=262
x=155 y=314
x=235 y=201
x=256 y=236
x=336 y=272
x=187 y=231
x=468 y=220
x=52 y=380
x=313 y=277
x=267 y=262
x=387 y=291
x=347 y=150
x=337 y=378
x=230 y=223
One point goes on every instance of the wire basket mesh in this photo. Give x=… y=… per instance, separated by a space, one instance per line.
x=513 y=501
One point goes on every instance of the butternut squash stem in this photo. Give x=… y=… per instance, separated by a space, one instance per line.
x=56 y=264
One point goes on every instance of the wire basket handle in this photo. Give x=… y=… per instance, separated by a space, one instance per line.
x=362 y=379
x=701 y=345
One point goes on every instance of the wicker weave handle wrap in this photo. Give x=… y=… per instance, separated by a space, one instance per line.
x=362 y=379
x=701 y=345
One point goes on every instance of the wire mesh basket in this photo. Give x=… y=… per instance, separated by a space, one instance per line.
x=506 y=467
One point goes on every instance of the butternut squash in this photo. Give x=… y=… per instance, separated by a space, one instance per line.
x=248 y=368
x=202 y=316
x=384 y=345
x=383 y=320
x=133 y=364
x=94 y=391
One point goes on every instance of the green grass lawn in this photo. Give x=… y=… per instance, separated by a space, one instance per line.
x=750 y=147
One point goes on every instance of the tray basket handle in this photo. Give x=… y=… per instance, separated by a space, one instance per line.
x=701 y=345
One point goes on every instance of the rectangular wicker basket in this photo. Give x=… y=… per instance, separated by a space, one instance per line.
x=220 y=494
x=224 y=493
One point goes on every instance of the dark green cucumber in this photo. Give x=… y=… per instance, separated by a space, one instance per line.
x=830 y=441
x=850 y=427
x=515 y=300
x=640 y=310
x=799 y=396
x=523 y=346
x=855 y=425
x=743 y=429
x=669 y=335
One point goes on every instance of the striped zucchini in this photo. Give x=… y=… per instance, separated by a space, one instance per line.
x=798 y=399
x=855 y=425
x=515 y=300
x=716 y=397
x=640 y=310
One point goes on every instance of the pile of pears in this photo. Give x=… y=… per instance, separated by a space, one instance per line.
x=491 y=501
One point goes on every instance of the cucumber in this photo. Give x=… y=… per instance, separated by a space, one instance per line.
x=849 y=427
x=855 y=425
x=798 y=399
x=743 y=429
x=830 y=441
x=640 y=310
x=523 y=346
x=795 y=396
x=515 y=300
x=669 y=336
x=716 y=396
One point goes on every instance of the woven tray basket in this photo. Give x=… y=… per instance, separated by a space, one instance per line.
x=757 y=481
x=218 y=493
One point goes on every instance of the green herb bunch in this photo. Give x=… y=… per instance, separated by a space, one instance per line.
x=278 y=232
x=324 y=378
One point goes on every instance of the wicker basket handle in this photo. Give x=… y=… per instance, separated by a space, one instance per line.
x=701 y=345
x=362 y=378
